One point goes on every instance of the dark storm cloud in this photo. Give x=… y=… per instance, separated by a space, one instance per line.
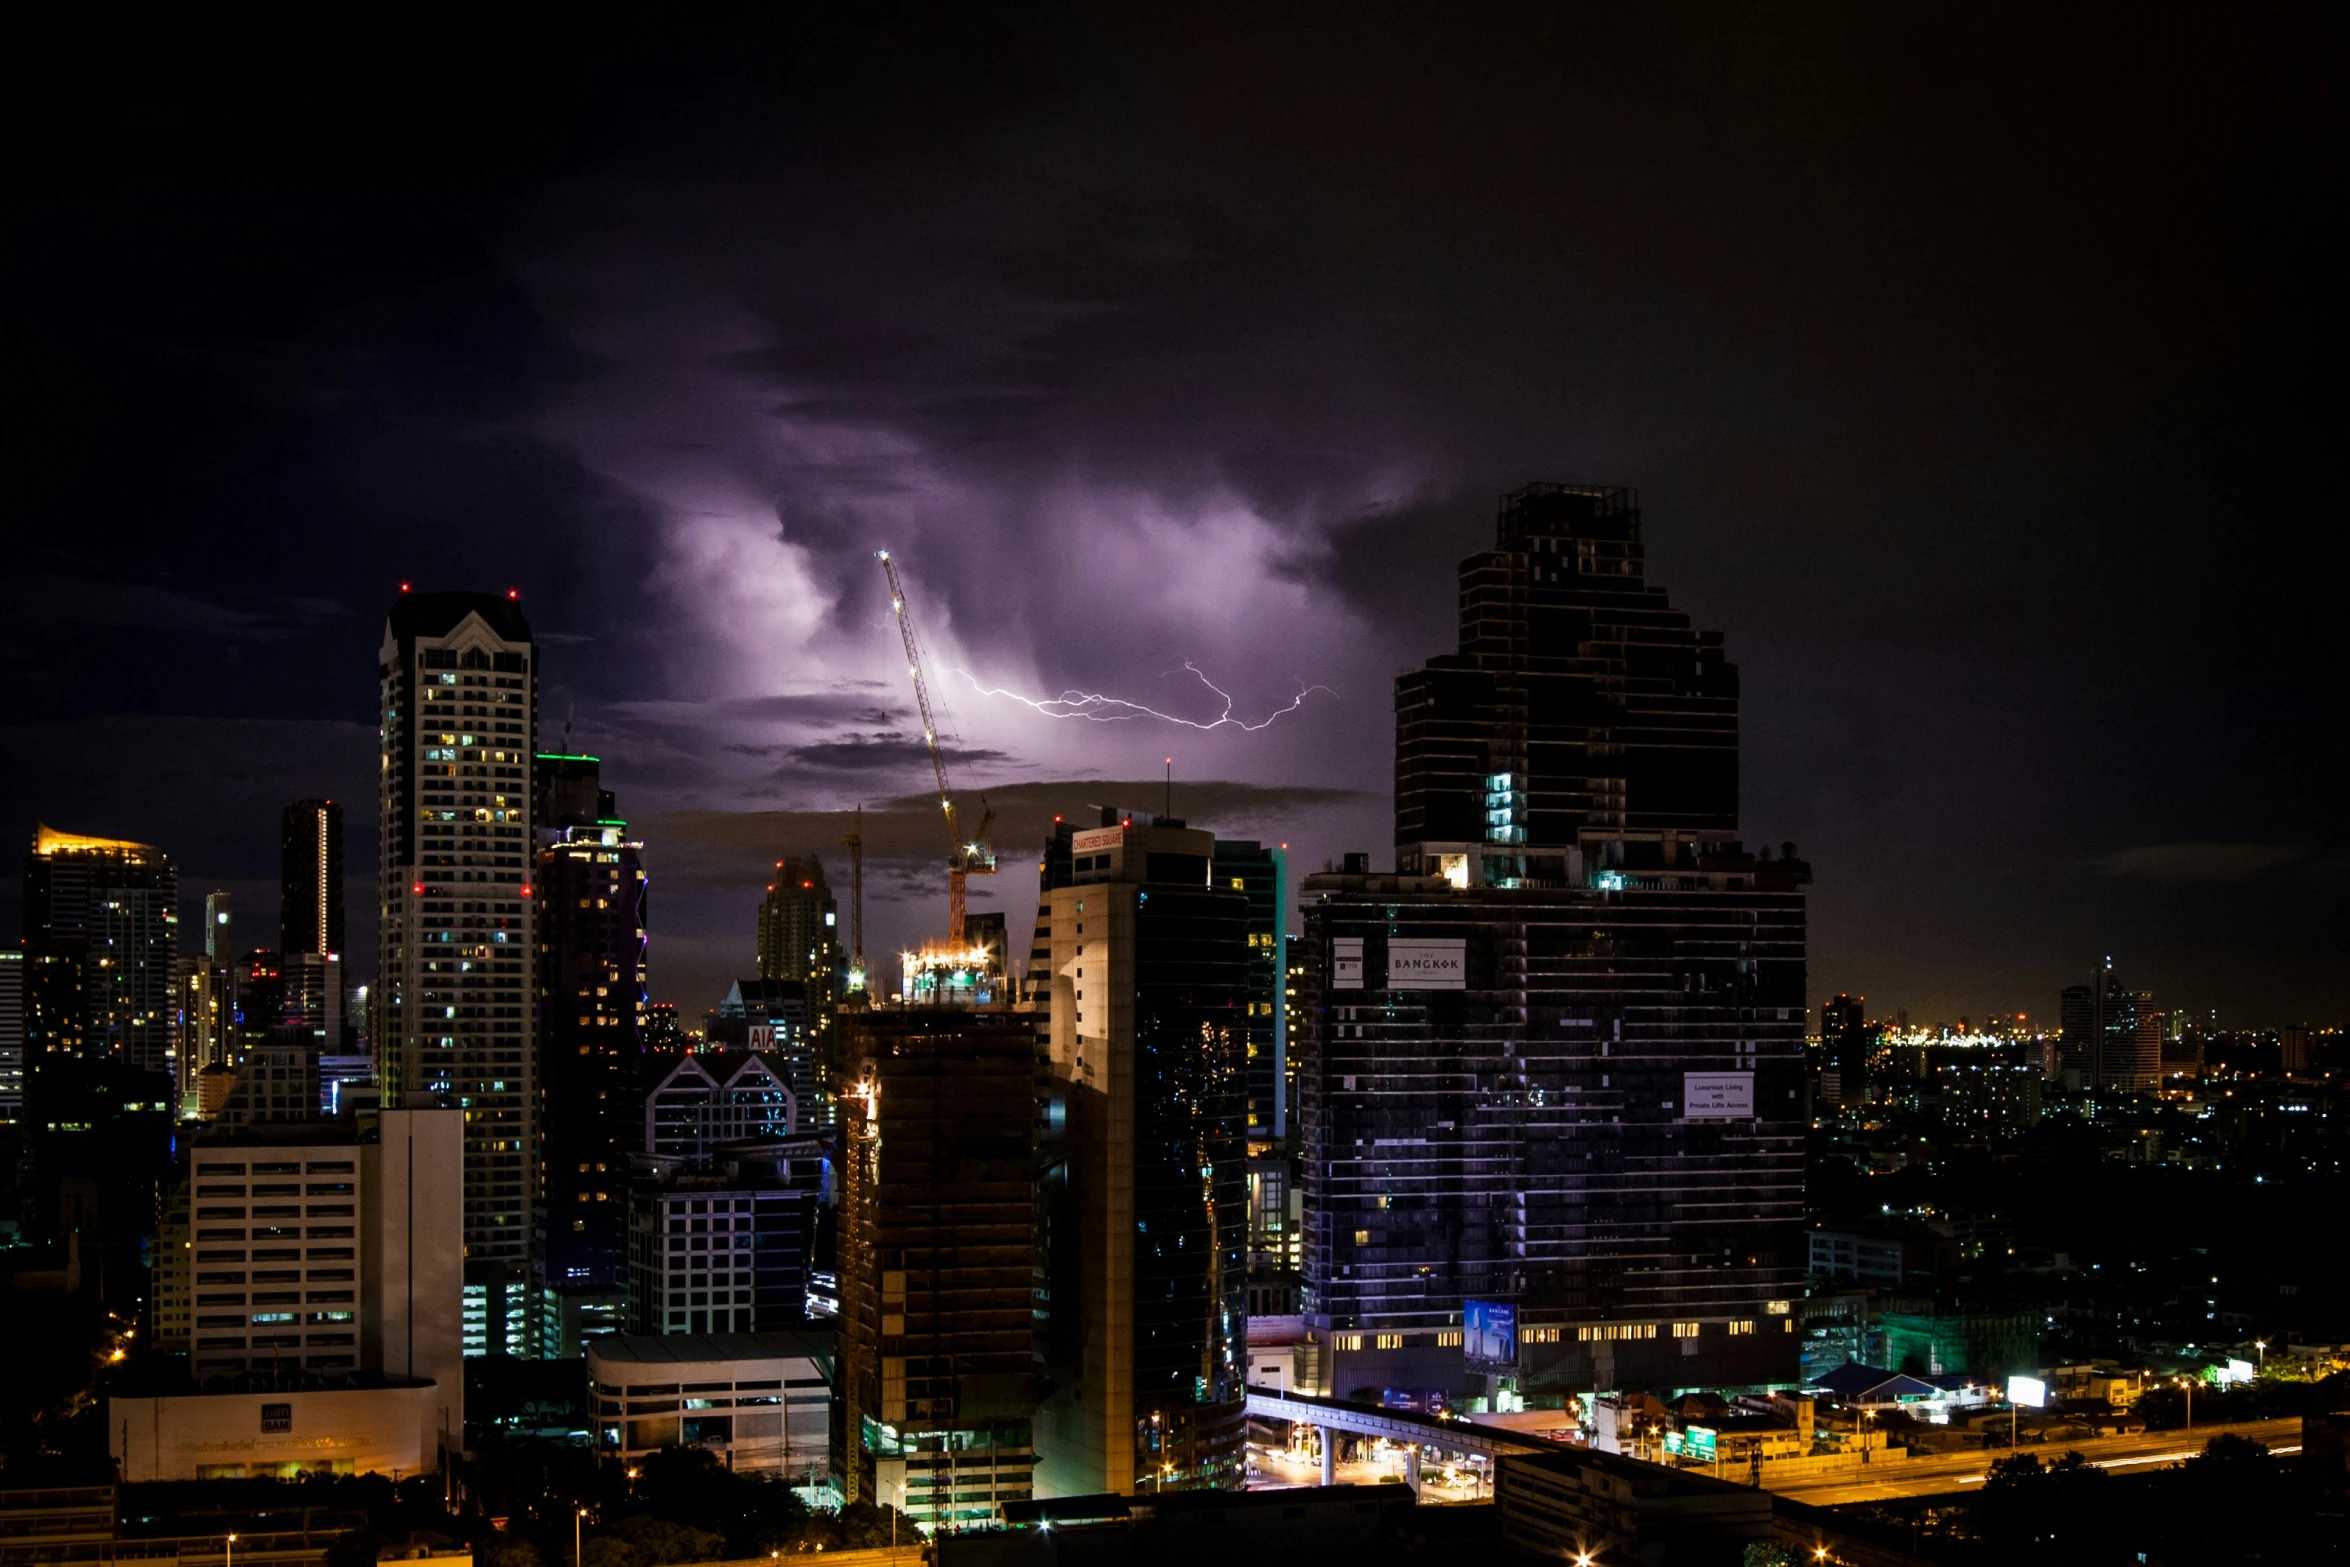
x=2201 y=862
x=1972 y=369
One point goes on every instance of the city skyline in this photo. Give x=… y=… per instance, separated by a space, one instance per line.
x=1028 y=784
x=1127 y=381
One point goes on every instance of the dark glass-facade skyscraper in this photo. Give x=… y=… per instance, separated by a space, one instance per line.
x=1260 y=873
x=1144 y=1195
x=590 y=888
x=310 y=879
x=1554 y=1062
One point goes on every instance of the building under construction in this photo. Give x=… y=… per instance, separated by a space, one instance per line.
x=936 y=1263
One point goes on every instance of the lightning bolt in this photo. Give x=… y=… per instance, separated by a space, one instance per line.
x=1095 y=707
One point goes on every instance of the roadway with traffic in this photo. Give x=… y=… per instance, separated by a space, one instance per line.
x=1898 y=1478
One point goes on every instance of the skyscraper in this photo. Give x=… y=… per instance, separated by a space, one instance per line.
x=937 y=1256
x=458 y=679
x=2112 y=1034
x=12 y=973
x=1844 y=1043
x=114 y=907
x=798 y=922
x=1554 y=1061
x=1261 y=874
x=310 y=878
x=1144 y=1191
x=590 y=888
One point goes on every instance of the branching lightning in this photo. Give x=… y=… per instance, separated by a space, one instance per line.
x=1095 y=707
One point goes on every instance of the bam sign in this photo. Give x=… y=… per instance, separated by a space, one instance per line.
x=1427 y=965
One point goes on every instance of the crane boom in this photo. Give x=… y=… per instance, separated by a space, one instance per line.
x=963 y=856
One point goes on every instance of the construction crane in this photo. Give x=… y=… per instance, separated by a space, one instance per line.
x=965 y=856
x=856 y=846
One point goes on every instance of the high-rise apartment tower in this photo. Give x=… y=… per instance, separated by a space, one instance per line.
x=113 y=907
x=458 y=678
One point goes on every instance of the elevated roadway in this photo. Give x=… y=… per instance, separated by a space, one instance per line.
x=1888 y=1479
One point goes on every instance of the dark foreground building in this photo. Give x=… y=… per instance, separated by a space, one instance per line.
x=1552 y=1084
x=590 y=889
x=1143 y=1196
x=934 y=1401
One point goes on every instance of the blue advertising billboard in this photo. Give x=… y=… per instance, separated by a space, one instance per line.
x=1489 y=1333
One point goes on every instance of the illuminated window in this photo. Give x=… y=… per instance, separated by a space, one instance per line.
x=1450 y=1338
x=1746 y=1326
x=1684 y=1330
x=1613 y=1332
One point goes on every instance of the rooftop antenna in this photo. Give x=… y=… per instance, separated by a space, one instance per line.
x=1170 y=811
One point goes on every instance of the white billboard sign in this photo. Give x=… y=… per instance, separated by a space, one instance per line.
x=1096 y=838
x=1440 y=964
x=1717 y=1096
x=1346 y=963
x=2027 y=1392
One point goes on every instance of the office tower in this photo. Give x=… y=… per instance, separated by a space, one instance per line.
x=934 y=1402
x=219 y=934
x=798 y=922
x=2130 y=1040
x=311 y=1000
x=590 y=889
x=719 y=1244
x=12 y=974
x=2296 y=1046
x=275 y=1082
x=115 y=907
x=1261 y=874
x=2112 y=1034
x=259 y=985
x=2077 y=1022
x=775 y=1018
x=709 y=1098
x=1845 y=1038
x=1145 y=1191
x=203 y=1025
x=1555 y=1060
x=1276 y=1235
x=310 y=878
x=459 y=699
x=325 y=1255
x=801 y=962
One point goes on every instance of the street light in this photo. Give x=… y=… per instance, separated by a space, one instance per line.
x=2189 y=1384
x=578 y=1519
x=232 y=1551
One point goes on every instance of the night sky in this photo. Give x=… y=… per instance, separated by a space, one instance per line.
x=1978 y=375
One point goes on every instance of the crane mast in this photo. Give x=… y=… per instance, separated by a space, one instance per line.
x=964 y=856
x=856 y=846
